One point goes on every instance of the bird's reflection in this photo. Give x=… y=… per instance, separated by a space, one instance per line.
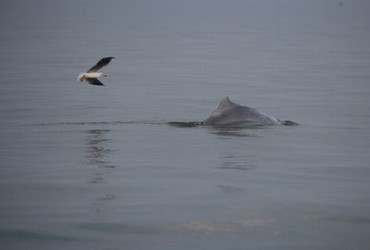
x=97 y=153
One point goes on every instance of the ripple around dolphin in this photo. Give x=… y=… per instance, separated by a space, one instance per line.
x=22 y=234
x=185 y=124
x=99 y=123
x=236 y=125
x=144 y=122
x=179 y=124
x=289 y=123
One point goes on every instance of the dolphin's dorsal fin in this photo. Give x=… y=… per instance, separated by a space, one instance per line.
x=225 y=104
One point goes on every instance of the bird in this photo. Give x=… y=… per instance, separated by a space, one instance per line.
x=92 y=75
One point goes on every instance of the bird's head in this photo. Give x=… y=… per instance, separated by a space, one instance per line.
x=81 y=77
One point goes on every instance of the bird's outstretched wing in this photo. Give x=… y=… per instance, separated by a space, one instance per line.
x=94 y=81
x=103 y=62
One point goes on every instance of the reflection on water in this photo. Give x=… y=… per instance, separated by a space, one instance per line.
x=229 y=189
x=232 y=162
x=97 y=152
x=250 y=227
x=339 y=219
x=97 y=155
x=22 y=234
x=234 y=131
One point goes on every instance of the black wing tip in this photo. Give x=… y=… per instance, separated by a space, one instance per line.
x=108 y=58
x=101 y=63
x=94 y=81
x=105 y=60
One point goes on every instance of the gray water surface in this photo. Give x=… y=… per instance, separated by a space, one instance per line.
x=86 y=167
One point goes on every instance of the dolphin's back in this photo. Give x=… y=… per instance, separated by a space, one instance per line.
x=230 y=113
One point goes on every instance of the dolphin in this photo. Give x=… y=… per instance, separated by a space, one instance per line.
x=231 y=113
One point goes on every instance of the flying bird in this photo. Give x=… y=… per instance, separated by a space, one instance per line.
x=92 y=75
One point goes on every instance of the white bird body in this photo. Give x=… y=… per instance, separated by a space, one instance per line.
x=84 y=75
x=92 y=75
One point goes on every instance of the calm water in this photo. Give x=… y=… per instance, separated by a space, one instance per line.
x=85 y=167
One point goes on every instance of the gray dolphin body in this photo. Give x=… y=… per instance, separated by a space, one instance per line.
x=228 y=113
x=232 y=115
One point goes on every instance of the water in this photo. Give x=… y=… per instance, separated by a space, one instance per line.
x=85 y=167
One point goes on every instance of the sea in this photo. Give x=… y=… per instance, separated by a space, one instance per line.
x=104 y=167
